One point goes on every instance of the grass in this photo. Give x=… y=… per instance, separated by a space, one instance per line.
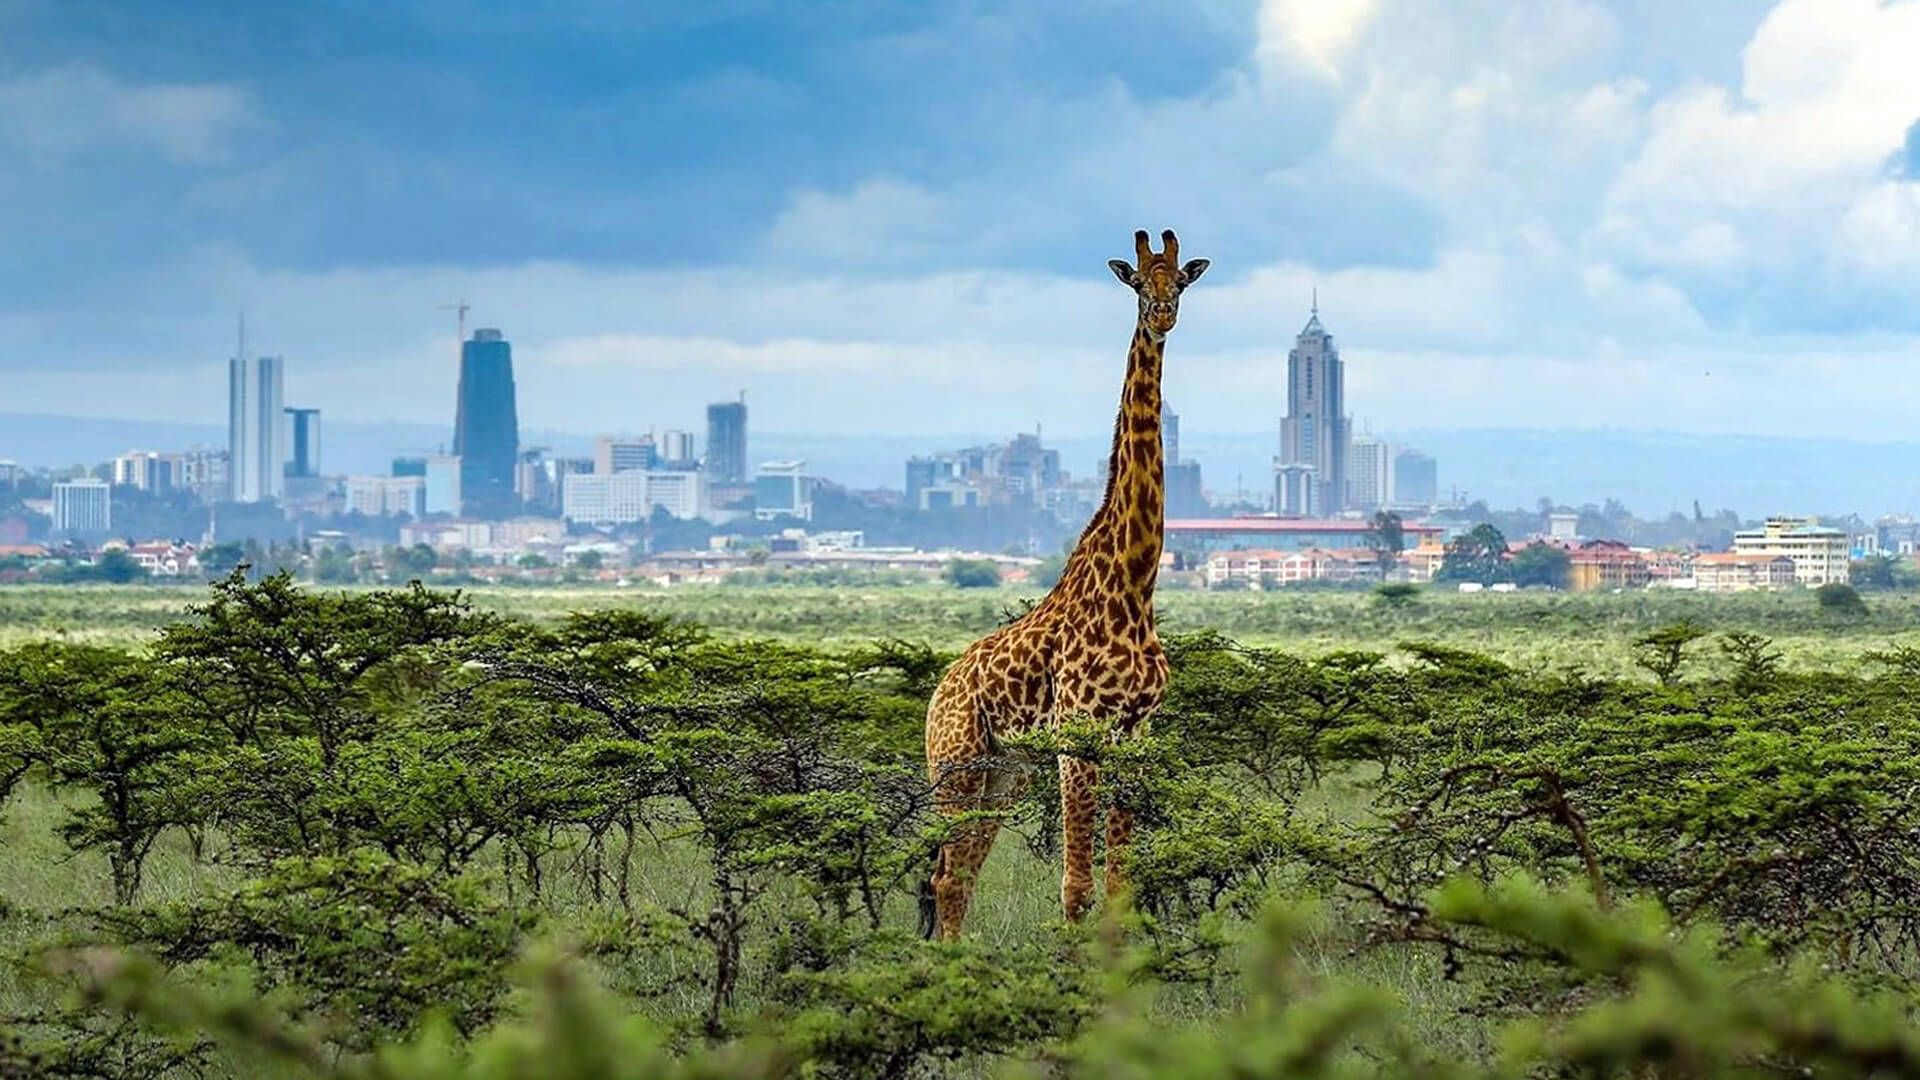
x=1532 y=630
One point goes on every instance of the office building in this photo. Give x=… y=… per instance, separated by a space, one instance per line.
x=727 y=442
x=384 y=496
x=256 y=447
x=445 y=476
x=1310 y=475
x=781 y=489
x=82 y=506
x=1169 y=433
x=628 y=497
x=486 y=427
x=1416 y=479
x=1370 y=473
x=204 y=472
x=303 y=443
x=623 y=453
x=1185 y=497
x=1821 y=556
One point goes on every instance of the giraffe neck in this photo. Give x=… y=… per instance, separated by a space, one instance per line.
x=1120 y=550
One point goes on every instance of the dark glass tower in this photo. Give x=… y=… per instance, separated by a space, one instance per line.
x=486 y=426
x=303 y=443
x=727 y=442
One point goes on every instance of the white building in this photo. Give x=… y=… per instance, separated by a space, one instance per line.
x=256 y=428
x=1820 y=555
x=624 y=497
x=1370 y=473
x=782 y=489
x=623 y=453
x=144 y=469
x=385 y=496
x=84 y=505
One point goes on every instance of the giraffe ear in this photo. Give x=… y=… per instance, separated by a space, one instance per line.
x=1122 y=270
x=1194 y=269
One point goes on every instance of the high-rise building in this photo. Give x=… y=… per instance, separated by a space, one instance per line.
x=676 y=449
x=623 y=453
x=446 y=484
x=782 y=489
x=727 y=442
x=83 y=505
x=1311 y=471
x=205 y=472
x=1416 y=479
x=1370 y=473
x=486 y=426
x=256 y=434
x=303 y=443
x=1169 y=433
x=1185 y=496
x=146 y=470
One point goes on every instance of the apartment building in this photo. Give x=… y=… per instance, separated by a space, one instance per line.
x=1733 y=571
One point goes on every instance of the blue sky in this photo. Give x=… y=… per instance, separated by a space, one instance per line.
x=894 y=217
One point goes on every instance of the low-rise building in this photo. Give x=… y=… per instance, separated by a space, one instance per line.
x=1733 y=571
x=1273 y=569
x=1605 y=565
x=1820 y=555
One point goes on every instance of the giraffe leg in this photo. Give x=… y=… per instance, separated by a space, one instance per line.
x=1079 y=811
x=1119 y=844
x=970 y=786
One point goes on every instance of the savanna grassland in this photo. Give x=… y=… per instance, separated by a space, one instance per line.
x=264 y=830
x=1594 y=632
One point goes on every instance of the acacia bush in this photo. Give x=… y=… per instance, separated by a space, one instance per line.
x=391 y=799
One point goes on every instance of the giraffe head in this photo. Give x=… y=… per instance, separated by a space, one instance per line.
x=1158 y=280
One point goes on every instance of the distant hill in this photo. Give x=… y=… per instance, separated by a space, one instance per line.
x=1651 y=472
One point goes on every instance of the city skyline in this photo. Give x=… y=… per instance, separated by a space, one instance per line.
x=1589 y=215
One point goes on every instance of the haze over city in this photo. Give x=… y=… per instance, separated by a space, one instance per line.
x=1699 y=218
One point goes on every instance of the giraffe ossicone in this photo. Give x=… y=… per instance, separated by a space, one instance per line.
x=1089 y=649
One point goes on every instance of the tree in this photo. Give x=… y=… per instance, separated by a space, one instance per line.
x=972 y=574
x=1663 y=651
x=1387 y=536
x=589 y=560
x=118 y=568
x=1542 y=564
x=1479 y=554
x=1839 y=599
x=218 y=560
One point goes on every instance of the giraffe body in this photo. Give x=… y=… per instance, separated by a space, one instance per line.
x=1089 y=649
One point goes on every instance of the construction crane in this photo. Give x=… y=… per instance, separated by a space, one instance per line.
x=460 y=307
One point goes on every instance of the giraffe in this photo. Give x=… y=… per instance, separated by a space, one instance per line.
x=1088 y=649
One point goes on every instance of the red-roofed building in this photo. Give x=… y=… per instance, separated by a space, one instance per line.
x=1605 y=564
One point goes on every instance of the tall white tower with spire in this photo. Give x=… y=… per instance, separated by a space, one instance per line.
x=1310 y=473
x=256 y=440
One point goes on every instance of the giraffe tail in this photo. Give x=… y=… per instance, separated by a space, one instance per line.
x=929 y=907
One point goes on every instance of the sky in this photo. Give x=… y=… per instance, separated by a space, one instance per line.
x=894 y=218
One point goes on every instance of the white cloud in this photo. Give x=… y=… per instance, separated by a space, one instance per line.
x=1317 y=33
x=52 y=115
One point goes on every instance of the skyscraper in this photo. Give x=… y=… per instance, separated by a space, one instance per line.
x=1416 y=480
x=1311 y=471
x=486 y=426
x=256 y=437
x=1169 y=433
x=727 y=442
x=303 y=443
